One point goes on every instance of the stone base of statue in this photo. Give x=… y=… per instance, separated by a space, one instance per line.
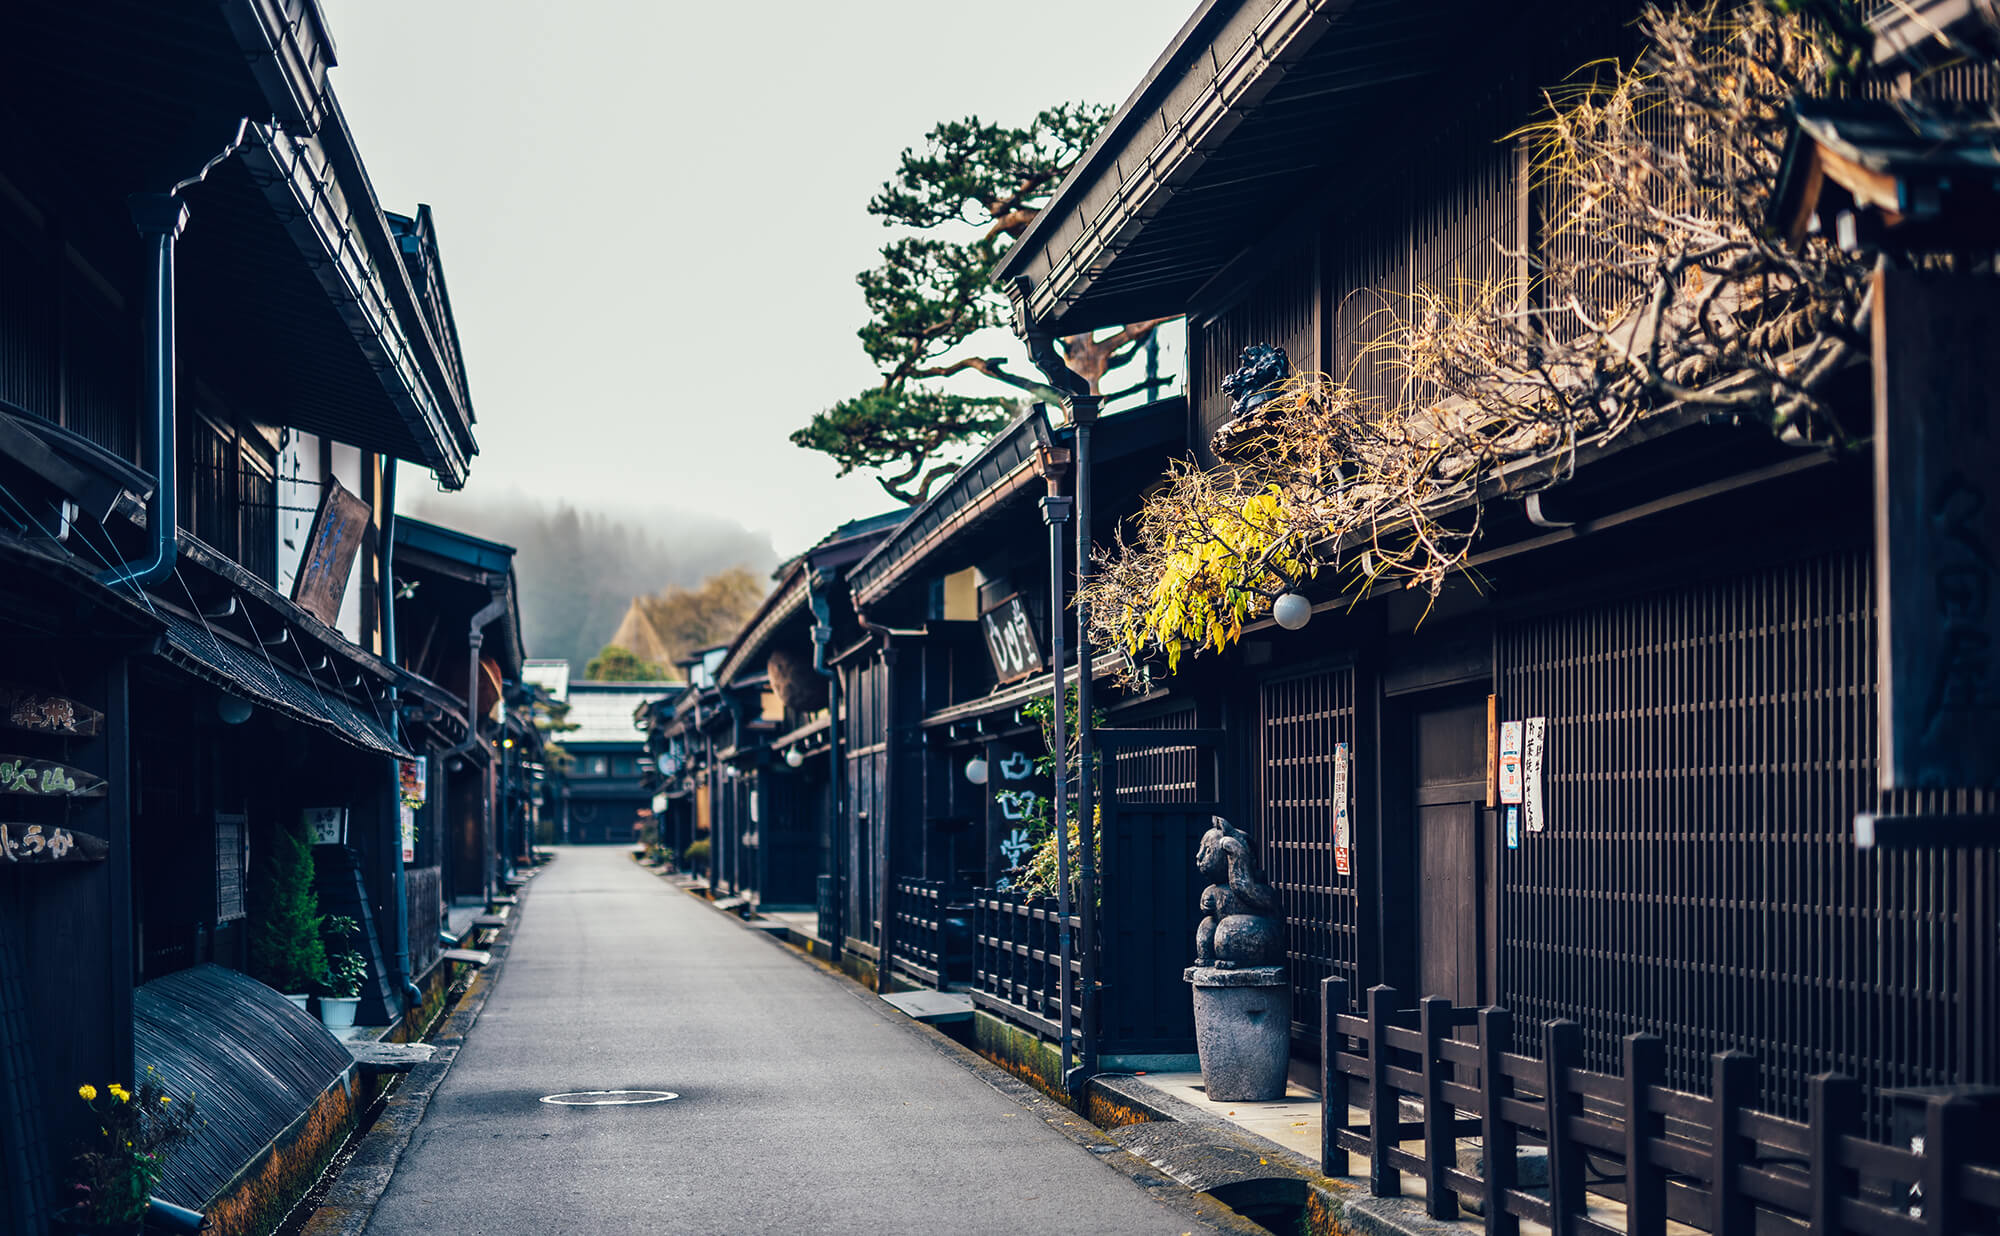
x=1243 y=1029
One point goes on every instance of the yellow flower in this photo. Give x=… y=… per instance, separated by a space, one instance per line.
x=164 y=1100
x=87 y=1093
x=120 y=1093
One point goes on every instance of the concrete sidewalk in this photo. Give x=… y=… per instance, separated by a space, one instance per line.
x=805 y=1105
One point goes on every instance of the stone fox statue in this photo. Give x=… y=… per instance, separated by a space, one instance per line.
x=1245 y=923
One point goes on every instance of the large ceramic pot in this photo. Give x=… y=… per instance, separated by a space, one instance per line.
x=1243 y=1030
x=337 y=1012
x=303 y=1000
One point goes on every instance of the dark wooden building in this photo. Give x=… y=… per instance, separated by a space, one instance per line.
x=1689 y=619
x=215 y=349
x=609 y=801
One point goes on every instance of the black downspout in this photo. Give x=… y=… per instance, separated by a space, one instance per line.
x=822 y=636
x=1082 y=405
x=159 y=218
x=412 y=997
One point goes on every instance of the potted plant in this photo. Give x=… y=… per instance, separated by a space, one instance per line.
x=286 y=951
x=113 y=1175
x=345 y=970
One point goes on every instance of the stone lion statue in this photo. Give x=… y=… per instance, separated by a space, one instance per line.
x=1244 y=923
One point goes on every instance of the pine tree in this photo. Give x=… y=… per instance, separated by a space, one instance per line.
x=286 y=950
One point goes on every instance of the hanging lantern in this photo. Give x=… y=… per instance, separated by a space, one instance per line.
x=1292 y=611
x=975 y=770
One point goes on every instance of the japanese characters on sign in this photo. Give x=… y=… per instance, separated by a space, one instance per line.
x=43 y=843
x=1513 y=828
x=1343 y=853
x=329 y=556
x=1019 y=800
x=42 y=713
x=1532 y=746
x=1937 y=529
x=1010 y=640
x=325 y=825
x=46 y=778
x=409 y=832
x=1510 y=762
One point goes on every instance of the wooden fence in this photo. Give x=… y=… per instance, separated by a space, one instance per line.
x=925 y=947
x=1017 y=967
x=1710 y=1161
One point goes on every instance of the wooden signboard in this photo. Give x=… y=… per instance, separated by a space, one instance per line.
x=1010 y=640
x=38 y=844
x=1937 y=529
x=329 y=555
x=22 y=708
x=47 y=779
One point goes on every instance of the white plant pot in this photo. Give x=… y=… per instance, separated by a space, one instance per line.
x=337 y=1012
x=299 y=1000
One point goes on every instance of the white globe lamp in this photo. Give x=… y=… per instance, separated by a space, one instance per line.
x=1292 y=611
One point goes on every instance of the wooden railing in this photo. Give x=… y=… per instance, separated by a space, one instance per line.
x=1712 y=1161
x=1017 y=952
x=924 y=947
x=828 y=905
x=423 y=890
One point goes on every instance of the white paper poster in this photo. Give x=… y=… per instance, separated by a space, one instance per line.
x=1343 y=862
x=1531 y=772
x=1510 y=761
x=325 y=825
x=409 y=833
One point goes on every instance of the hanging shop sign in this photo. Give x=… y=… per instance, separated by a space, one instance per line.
x=325 y=825
x=1510 y=762
x=1010 y=640
x=409 y=831
x=22 y=708
x=335 y=539
x=1937 y=530
x=413 y=776
x=1343 y=843
x=1533 y=743
x=33 y=844
x=47 y=779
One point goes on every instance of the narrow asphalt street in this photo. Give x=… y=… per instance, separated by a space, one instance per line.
x=803 y=1107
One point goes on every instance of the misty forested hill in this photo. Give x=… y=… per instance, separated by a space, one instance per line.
x=579 y=570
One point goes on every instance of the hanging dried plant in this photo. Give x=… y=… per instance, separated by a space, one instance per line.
x=1658 y=285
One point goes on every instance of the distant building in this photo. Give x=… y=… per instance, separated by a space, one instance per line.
x=608 y=801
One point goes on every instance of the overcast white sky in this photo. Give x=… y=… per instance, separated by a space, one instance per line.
x=651 y=214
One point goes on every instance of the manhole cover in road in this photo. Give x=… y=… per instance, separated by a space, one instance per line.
x=608 y=1098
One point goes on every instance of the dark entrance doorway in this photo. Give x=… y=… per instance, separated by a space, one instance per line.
x=1448 y=750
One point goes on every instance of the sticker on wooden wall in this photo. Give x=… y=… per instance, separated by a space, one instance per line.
x=1533 y=744
x=1510 y=762
x=1513 y=828
x=1343 y=861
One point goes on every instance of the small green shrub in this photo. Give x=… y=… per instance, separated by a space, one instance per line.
x=697 y=856
x=286 y=950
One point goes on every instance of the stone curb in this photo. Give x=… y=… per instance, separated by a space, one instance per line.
x=349 y=1205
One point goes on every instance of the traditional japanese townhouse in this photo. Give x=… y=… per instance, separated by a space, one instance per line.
x=1685 y=616
x=458 y=616
x=609 y=801
x=778 y=673
x=215 y=348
